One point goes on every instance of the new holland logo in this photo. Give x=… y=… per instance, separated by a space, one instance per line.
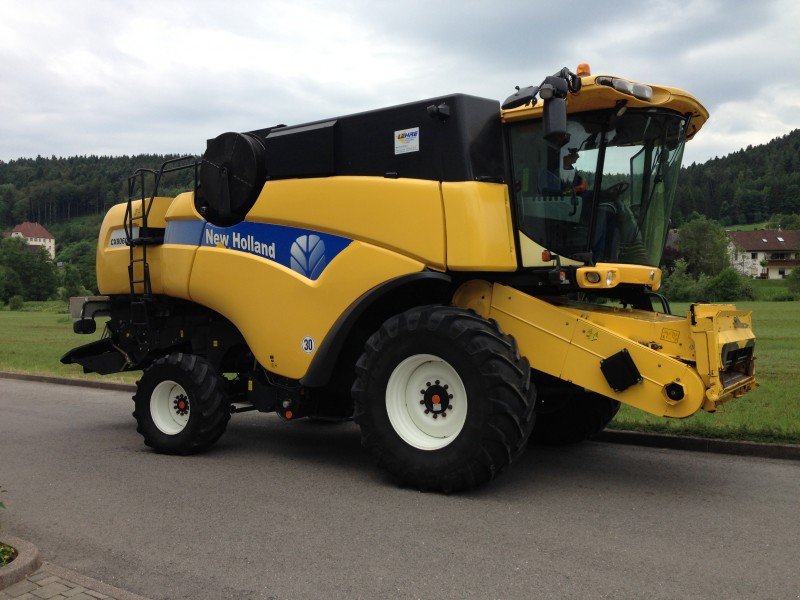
x=307 y=256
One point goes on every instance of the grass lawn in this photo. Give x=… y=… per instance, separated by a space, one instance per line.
x=771 y=412
x=33 y=342
x=747 y=226
x=771 y=289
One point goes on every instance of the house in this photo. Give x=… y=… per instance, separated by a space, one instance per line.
x=35 y=235
x=765 y=253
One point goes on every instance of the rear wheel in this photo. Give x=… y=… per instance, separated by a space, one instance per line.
x=443 y=399
x=180 y=405
x=577 y=415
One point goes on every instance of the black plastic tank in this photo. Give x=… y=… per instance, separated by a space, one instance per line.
x=232 y=173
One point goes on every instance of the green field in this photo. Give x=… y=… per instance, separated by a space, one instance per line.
x=33 y=342
x=747 y=226
x=772 y=289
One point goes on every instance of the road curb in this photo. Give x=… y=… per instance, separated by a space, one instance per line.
x=28 y=560
x=700 y=444
x=621 y=436
x=100 y=385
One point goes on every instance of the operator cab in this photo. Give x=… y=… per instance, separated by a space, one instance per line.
x=601 y=190
x=606 y=196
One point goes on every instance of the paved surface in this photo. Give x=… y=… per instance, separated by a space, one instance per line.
x=56 y=583
x=297 y=511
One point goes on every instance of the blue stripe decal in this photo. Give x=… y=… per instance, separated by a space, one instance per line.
x=305 y=252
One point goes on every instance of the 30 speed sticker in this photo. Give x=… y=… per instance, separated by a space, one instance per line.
x=308 y=344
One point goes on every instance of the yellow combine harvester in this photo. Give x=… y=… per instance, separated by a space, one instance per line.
x=457 y=276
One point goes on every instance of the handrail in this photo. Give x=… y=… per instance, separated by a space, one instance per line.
x=138 y=180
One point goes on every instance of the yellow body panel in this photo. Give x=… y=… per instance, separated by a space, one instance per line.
x=569 y=342
x=175 y=279
x=112 y=260
x=593 y=97
x=403 y=215
x=275 y=309
x=480 y=232
x=182 y=208
x=179 y=257
x=669 y=334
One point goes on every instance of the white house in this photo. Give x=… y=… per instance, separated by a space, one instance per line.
x=35 y=235
x=764 y=253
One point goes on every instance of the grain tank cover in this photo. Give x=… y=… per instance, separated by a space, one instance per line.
x=456 y=137
x=232 y=173
x=449 y=138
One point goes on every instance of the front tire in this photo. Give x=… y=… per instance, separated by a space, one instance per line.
x=443 y=399
x=180 y=405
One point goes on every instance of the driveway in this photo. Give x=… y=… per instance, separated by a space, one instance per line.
x=298 y=511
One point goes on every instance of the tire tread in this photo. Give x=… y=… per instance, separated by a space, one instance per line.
x=207 y=397
x=509 y=395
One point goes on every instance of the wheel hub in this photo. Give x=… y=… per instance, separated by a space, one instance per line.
x=170 y=407
x=181 y=404
x=436 y=399
x=422 y=388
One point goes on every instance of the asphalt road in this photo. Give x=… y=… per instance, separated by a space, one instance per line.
x=298 y=511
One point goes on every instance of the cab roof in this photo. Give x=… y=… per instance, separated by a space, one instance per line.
x=598 y=96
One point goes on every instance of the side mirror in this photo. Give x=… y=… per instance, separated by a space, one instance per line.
x=554 y=93
x=555 y=121
x=522 y=97
x=84 y=326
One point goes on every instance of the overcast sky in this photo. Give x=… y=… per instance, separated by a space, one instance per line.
x=122 y=77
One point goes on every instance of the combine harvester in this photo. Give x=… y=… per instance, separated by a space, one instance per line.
x=456 y=275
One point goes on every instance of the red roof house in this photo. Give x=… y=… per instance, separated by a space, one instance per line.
x=767 y=253
x=35 y=235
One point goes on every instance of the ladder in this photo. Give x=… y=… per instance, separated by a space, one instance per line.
x=139 y=235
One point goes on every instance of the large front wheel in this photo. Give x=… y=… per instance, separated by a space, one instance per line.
x=443 y=398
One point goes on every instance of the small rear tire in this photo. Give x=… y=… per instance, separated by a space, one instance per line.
x=443 y=399
x=180 y=405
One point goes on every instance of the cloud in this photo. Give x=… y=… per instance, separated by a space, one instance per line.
x=147 y=76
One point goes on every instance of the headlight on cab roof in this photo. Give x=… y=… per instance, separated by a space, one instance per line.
x=631 y=88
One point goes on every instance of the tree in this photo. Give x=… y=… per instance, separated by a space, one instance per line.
x=704 y=246
x=72 y=282
x=33 y=268
x=793 y=281
x=780 y=221
x=16 y=303
x=728 y=286
x=679 y=286
x=10 y=284
x=81 y=256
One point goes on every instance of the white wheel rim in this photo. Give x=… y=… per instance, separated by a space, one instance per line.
x=169 y=407
x=416 y=405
